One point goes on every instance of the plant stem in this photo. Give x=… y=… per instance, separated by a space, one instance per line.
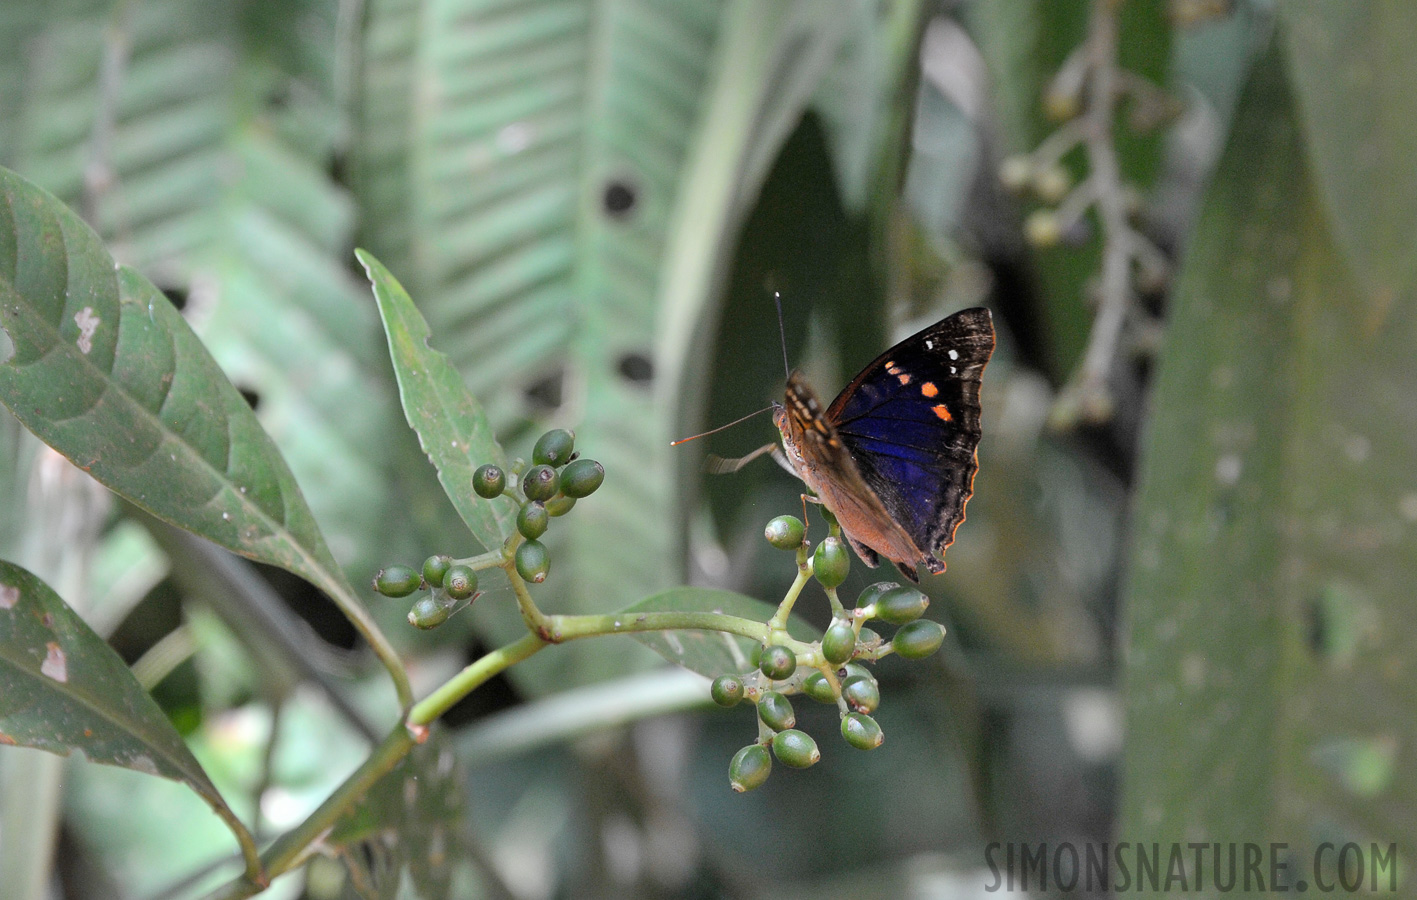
x=784 y=609
x=477 y=673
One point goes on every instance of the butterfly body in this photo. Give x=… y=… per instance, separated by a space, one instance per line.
x=893 y=457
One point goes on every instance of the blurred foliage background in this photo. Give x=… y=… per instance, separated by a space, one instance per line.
x=1180 y=608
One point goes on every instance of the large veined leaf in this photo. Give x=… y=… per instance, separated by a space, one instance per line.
x=551 y=181
x=196 y=142
x=1355 y=85
x=107 y=372
x=1276 y=544
x=63 y=689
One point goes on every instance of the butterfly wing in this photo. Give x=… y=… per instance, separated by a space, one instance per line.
x=911 y=422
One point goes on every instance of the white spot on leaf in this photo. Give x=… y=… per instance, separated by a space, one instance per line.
x=1227 y=469
x=514 y=138
x=56 y=664
x=1407 y=507
x=88 y=323
x=9 y=596
x=1357 y=448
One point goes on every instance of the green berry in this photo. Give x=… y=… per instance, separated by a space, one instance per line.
x=861 y=694
x=831 y=562
x=795 y=748
x=532 y=520
x=918 y=639
x=540 y=483
x=460 y=582
x=856 y=669
x=819 y=688
x=776 y=711
x=838 y=643
x=726 y=690
x=435 y=567
x=554 y=448
x=533 y=562
x=397 y=581
x=489 y=481
x=873 y=593
x=559 y=506
x=750 y=768
x=777 y=662
x=861 y=731
x=785 y=532
x=581 y=477
x=900 y=605
x=427 y=613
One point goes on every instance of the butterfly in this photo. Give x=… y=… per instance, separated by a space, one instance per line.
x=894 y=456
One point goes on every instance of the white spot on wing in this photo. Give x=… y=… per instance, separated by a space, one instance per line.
x=56 y=664
x=929 y=344
x=954 y=354
x=88 y=323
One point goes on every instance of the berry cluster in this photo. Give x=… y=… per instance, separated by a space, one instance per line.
x=550 y=488
x=829 y=670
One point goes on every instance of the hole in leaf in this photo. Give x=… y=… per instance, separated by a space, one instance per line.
x=636 y=367
x=177 y=295
x=619 y=198
x=252 y=397
x=547 y=393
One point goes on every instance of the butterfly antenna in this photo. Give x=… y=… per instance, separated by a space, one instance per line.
x=719 y=428
x=782 y=333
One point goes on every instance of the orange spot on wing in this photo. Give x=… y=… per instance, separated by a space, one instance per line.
x=904 y=379
x=943 y=412
x=929 y=389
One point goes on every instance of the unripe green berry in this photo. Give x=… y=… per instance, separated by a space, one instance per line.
x=397 y=581
x=726 y=690
x=777 y=662
x=856 y=669
x=559 y=506
x=435 y=567
x=873 y=593
x=533 y=562
x=540 y=483
x=776 y=711
x=795 y=748
x=427 y=613
x=832 y=562
x=581 y=477
x=861 y=694
x=460 y=582
x=838 y=643
x=532 y=520
x=819 y=688
x=554 y=448
x=918 y=639
x=785 y=532
x=900 y=605
x=861 y=731
x=489 y=481
x=750 y=768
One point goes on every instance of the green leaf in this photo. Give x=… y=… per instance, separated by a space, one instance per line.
x=108 y=373
x=63 y=689
x=1355 y=86
x=1269 y=601
x=710 y=653
x=450 y=423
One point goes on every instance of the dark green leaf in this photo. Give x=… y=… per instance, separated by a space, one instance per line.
x=1270 y=599
x=449 y=421
x=108 y=373
x=63 y=689
x=710 y=653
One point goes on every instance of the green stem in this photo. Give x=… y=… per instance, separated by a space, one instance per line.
x=470 y=678
x=784 y=609
x=355 y=612
x=569 y=628
x=483 y=560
